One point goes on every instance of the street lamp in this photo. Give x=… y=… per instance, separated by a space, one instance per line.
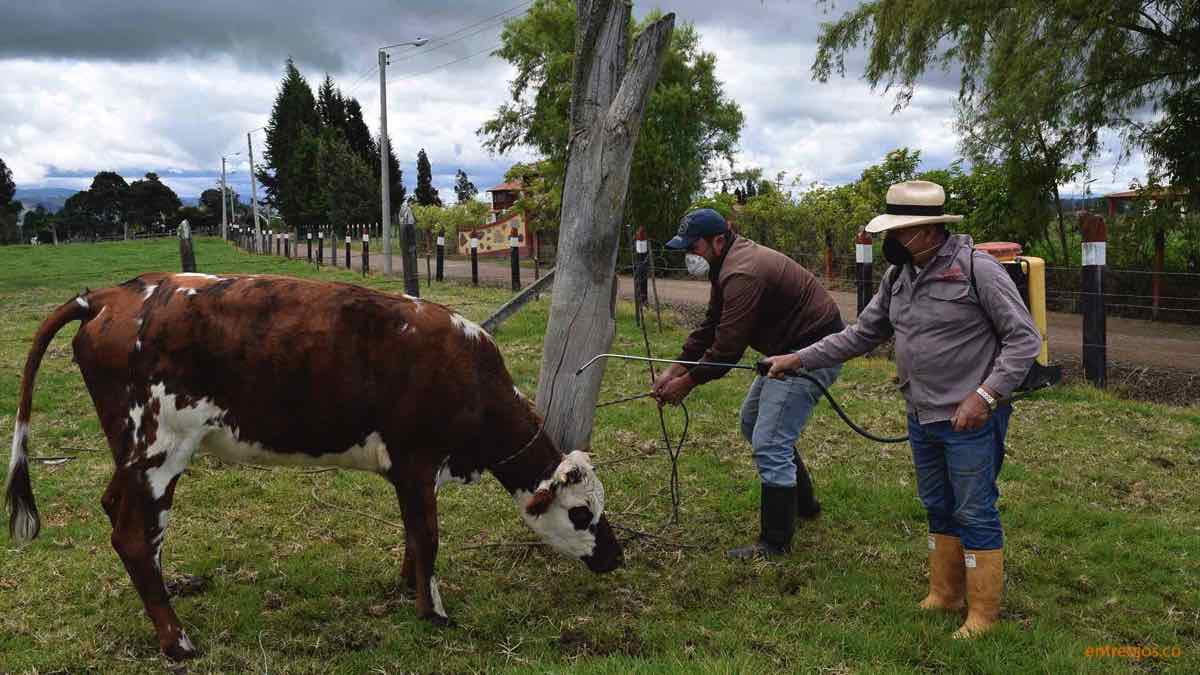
x=224 y=218
x=253 y=190
x=384 y=179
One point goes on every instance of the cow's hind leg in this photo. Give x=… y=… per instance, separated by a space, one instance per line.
x=418 y=502
x=138 y=502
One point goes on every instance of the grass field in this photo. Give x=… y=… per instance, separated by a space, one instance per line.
x=1099 y=500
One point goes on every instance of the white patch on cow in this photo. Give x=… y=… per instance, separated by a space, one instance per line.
x=554 y=526
x=199 y=275
x=437 y=597
x=24 y=522
x=410 y=298
x=137 y=345
x=82 y=303
x=164 y=519
x=518 y=392
x=444 y=475
x=371 y=455
x=467 y=327
x=147 y=293
x=189 y=291
x=102 y=309
x=184 y=642
x=135 y=418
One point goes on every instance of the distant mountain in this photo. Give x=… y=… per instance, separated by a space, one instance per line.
x=54 y=198
x=51 y=198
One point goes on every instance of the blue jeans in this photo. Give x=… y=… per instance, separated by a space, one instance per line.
x=773 y=414
x=956 y=478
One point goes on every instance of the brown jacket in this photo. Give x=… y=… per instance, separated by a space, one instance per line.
x=761 y=299
x=950 y=337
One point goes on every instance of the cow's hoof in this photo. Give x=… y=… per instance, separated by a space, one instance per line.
x=180 y=650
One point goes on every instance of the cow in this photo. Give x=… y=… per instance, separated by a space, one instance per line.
x=276 y=370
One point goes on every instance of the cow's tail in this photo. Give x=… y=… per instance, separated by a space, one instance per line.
x=23 y=520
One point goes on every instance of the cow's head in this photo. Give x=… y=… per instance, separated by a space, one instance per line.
x=567 y=512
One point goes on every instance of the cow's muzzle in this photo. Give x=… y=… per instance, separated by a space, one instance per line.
x=607 y=554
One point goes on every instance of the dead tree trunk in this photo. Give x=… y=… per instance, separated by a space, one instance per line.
x=607 y=105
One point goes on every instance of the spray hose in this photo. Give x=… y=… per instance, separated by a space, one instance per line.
x=762 y=368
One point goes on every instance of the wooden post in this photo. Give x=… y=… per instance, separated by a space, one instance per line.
x=308 y=234
x=863 y=255
x=186 y=253
x=1095 y=341
x=829 y=258
x=441 y=254
x=514 y=248
x=654 y=287
x=408 y=242
x=610 y=88
x=1160 y=247
x=474 y=259
x=320 y=246
x=287 y=245
x=366 y=250
x=519 y=300
x=348 y=227
x=641 y=271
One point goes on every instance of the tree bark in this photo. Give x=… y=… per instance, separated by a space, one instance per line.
x=607 y=106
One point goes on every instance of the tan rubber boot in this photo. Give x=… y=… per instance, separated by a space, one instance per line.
x=947 y=576
x=985 y=586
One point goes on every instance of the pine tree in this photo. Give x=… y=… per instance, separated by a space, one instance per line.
x=331 y=106
x=464 y=189
x=294 y=114
x=425 y=194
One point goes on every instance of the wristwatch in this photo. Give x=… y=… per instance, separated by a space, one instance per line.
x=987 y=398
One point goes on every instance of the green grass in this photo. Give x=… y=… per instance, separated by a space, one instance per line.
x=1099 y=501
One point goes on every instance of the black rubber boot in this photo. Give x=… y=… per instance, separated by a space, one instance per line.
x=807 y=506
x=777 y=523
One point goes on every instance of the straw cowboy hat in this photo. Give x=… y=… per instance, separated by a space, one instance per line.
x=912 y=203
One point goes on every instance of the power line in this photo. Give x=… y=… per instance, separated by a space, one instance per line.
x=489 y=22
x=416 y=74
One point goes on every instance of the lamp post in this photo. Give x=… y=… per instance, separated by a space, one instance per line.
x=384 y=179
x=254 y=191
x=224 y=217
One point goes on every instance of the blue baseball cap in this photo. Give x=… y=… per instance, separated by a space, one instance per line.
x=697 y=225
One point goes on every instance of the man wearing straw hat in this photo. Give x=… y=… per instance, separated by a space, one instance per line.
x=964 y=339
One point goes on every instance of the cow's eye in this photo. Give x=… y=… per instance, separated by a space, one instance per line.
x=581 y=517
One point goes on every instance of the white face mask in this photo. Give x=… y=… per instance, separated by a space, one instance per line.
x=697 y=266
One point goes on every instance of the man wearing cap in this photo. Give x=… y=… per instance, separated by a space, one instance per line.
x=763 y=299
x=964 y=339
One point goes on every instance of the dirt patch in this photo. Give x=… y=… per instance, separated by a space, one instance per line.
x=187 y=584
x=578 y=643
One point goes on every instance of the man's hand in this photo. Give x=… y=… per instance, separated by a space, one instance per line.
x=781 y=364
x=674 y=390
x=669 y=373
x=972 y=413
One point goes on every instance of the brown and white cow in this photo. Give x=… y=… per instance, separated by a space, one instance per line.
x=274 y=370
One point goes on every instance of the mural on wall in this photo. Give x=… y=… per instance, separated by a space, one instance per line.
x=493 y=238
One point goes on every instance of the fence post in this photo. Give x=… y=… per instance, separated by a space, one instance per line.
x=1160 y=246
x=863 y=260
x=514 y=247
x=829 y=257
x=348 y=246
x=186 y=253
x=320 y=245
x=441 y=254
x=1095 y=341
x=366 y=249
x=308 y=234
x=474 y=259
x=641 y=282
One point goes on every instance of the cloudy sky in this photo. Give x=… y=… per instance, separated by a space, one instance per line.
x=172 y=85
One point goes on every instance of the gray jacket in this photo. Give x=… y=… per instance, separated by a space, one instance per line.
x=945 y=344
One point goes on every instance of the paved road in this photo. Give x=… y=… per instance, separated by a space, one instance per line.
x=1130 y=341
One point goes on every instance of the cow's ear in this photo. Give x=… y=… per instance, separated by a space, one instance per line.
x=540 y=502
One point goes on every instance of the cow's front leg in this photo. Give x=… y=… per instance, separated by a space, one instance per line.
x=420 y=522
x=139 y=519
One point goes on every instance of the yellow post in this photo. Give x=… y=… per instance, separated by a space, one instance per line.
x=1035 y=272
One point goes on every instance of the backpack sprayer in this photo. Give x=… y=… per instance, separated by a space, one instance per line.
x=763 y=367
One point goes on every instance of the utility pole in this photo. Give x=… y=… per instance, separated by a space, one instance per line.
x=384 y=154
x=384 y=179
x=253 y=192
x=224 y=192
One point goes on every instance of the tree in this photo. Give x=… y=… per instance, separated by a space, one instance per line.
x=108 y=200
x=331 y=107
x=606 y=114
x=689 y=122
x=1171 y=142
x=425 y=194
x=350 y=195
x=293 y=114
x=541 y=194
x=1039 y=79
x=304 y=201
x=7 y=187
x=149 y=202
x=464 y=190
x=77 y=216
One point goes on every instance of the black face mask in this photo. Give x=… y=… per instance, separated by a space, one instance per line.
x=897 y=253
